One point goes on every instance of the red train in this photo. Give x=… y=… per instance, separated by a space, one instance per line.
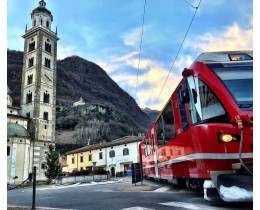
x=203 y=137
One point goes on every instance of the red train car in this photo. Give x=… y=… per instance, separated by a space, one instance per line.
x=203 y=137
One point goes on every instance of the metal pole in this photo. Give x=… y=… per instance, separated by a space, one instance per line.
x=135 y=173
x=34 y=186
x=141 y=173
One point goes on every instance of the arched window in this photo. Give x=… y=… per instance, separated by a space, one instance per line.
x=30 y=63
x=45 y=115
x=112 y=153
x=125 y=151
x=46 y=97
x=32 y=46
x=29 y=79
x=48 y=47
x=29 y=98
x=47 y=24
x=47 y=63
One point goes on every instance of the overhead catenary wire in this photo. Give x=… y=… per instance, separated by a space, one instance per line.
x=140 y=50
x=196 y=9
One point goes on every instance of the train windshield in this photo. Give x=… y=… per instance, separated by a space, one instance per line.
x=238 y=79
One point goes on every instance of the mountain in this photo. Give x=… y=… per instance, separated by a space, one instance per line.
x=108 y=107
x=152 y=114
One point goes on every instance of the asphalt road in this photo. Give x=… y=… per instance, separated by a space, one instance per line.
x=116 y=195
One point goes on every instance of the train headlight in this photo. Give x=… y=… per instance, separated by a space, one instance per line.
x=226 y=137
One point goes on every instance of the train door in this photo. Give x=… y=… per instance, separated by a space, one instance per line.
x=154 y=154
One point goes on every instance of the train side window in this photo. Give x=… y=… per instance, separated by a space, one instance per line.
x=160 y=132
x=165 y=126
x=169 y=124
x=147 y=150
x=182 y=109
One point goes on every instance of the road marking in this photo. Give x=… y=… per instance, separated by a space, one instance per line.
x=137 y=208
x=162 y=189
x=191 y=206
x=44 y=208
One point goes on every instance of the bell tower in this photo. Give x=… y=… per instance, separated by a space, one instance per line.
x=38 y=90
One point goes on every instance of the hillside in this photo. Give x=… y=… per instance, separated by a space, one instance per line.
x=109 y=107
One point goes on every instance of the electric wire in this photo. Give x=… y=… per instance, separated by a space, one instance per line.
x=196 y=9
x=140 y=50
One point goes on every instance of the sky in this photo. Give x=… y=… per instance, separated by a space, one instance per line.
x=147 y=65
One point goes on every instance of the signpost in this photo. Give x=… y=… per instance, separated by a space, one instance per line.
x=136 y=173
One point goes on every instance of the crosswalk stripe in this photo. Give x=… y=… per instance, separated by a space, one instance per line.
x=162 y=189
x=137 y=208
x=191 y=206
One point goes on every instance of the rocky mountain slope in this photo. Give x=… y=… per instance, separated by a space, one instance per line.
x=109 y=112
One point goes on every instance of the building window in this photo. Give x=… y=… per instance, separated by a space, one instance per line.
x=8 y=151
x=44 y=166
x=32 y=46
x=100 y=155
x=45 y=115
x=47 y=63
x=46 y=97
x=73 y=160
x=125 y=151
x=47 y=24
x=34 y=23
x=30 y=64
x=112 y=153
x=29 y=97
x=45 y=126
x=48 y=47
x=81 y=159
x=30 y=79
x=90 y=157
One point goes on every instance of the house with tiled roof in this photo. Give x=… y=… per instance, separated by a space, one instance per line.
x=115 y=156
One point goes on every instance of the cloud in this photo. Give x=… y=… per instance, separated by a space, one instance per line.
x=66 y=51
x=152 y=76
x=232 y=38
x=133 y=37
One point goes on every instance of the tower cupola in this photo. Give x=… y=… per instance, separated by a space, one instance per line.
x=41 y=16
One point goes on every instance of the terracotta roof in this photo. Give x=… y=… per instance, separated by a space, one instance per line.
x=123 y=140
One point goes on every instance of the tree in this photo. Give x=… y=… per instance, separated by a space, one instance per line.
x=53 y=164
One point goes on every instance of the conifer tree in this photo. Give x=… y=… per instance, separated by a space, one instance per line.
x=53 y=164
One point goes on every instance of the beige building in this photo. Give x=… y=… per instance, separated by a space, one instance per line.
x=115 y=156
x=19 y=143
x=37 y=113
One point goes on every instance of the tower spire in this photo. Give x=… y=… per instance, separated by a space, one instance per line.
x=42 y=3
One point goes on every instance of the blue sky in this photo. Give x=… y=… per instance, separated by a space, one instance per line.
x=108 y=33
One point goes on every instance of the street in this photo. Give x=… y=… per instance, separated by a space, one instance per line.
x=117 y=195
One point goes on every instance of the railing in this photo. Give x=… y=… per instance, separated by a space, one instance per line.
x=75 y=179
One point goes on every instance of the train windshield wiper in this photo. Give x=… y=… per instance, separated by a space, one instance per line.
x=245 y=105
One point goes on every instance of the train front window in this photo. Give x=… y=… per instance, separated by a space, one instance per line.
x=239 y=81
x=204 y=105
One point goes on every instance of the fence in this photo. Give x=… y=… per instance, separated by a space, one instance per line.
x=75 y=179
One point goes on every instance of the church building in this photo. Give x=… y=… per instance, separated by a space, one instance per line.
x=31 y=127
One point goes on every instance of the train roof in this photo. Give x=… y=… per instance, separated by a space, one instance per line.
x=225 y=56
